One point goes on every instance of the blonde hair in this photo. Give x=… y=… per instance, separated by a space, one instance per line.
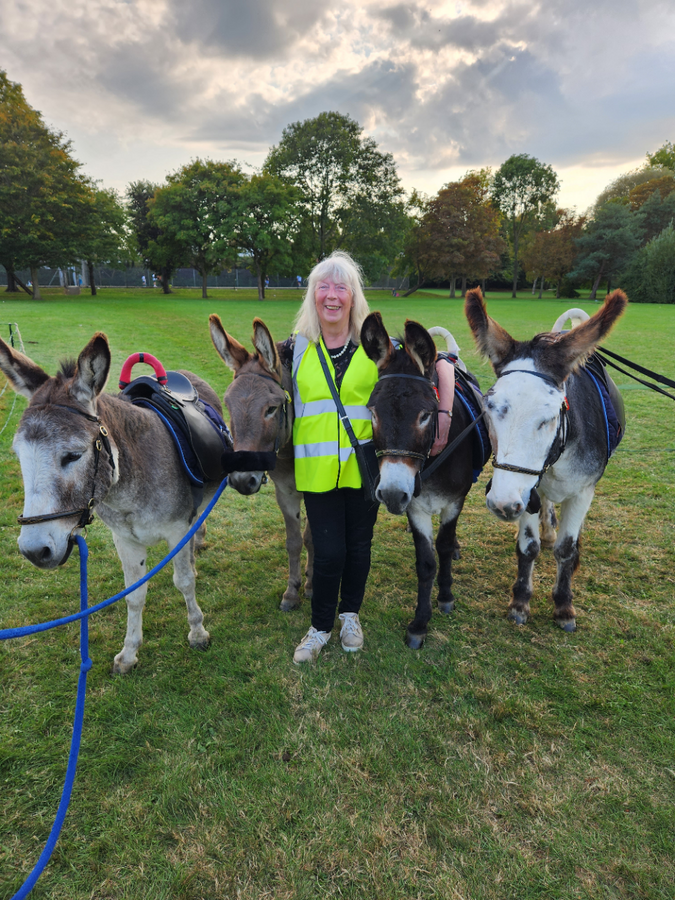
x=340 y=267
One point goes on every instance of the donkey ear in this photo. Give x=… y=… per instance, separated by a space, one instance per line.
x=264 y=344
x=93 y=366
x=420 y=346
x=491 y=339
x=23 y=374
x=375 y=340
x=572 y=349
x=230 y=351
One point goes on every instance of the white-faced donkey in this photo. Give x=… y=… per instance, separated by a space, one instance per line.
x=80 y=449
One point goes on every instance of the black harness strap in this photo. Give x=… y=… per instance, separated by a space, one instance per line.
x=662 y=379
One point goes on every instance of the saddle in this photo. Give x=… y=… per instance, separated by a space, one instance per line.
x=612 y=401
x=198 y=431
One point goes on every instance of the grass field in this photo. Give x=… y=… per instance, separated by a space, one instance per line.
x=498 y=762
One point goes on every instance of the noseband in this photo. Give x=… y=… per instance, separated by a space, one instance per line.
x=86 y=513
x=559 y=441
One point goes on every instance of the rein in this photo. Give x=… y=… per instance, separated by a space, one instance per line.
x=101 y=441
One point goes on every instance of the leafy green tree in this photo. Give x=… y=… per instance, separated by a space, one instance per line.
x=415 y=260
x=650 y=277
x=351 y=195
x=605 y=248
x=196 y=210
x=522 y=186
x=266 y=221
x=156 y=249
x=552 y=252
x=105 y=232
x=43 y=196
x=664 y=156
x=622 y=187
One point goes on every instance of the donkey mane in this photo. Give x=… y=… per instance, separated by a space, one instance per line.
x=67 y=369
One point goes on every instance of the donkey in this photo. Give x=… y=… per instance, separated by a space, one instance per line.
x=404 y=410
x=80 y=448
x=548 y=432
x=261 y=419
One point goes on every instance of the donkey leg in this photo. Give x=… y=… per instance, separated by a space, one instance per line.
x=288 y=500
x=566 y=552
x=425 y=564
x=527 y=550
x=549 y=522
x=447 y=549
x=184 y=577
x=132 y=556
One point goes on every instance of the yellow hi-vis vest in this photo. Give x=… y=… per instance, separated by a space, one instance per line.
x=324 y=458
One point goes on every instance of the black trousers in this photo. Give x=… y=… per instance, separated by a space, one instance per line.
x=342 y=523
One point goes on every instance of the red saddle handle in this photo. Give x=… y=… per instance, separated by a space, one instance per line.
x=125 y=374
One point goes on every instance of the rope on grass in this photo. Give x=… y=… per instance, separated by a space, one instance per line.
x=85 y=665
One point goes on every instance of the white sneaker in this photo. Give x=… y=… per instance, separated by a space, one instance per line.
x=310 y=646
x=350 y=633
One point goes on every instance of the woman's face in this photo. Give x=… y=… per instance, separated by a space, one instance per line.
x=333 y=301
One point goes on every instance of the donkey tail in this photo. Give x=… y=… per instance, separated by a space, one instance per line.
x=450 y=342
x=576 y=317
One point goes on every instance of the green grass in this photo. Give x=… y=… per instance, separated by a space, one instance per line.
x=498 y=762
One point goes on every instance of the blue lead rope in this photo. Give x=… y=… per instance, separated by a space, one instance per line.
x=85 y=665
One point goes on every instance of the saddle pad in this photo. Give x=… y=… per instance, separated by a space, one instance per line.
x=611 y=402
x=470 y=395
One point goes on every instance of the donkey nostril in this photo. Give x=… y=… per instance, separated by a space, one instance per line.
x=45 y=555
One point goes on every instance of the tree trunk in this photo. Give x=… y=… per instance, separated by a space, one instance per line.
x=205 y=295
x=12 y=287
x=483 y=286
x=463 y=294
x=92 y=279
x=411 y=291
x=166 y=287
x=515 y=263
x=261 y=281
x=609 y=283
x=22 y=285
x=541 y=287
x=34 y=276
x=596 y=283
x=557 y=289
x=534 y=286
x=452 y=287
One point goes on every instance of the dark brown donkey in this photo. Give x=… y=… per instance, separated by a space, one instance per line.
x=80 y=448
x=404 y=409
x=261 y=419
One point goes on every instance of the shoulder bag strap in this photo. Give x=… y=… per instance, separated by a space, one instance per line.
x=344 y=418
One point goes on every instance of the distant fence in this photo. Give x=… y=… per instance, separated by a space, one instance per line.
x=183 y=278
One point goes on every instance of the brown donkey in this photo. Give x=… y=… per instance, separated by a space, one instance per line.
x=261 y=419
x=80 y=448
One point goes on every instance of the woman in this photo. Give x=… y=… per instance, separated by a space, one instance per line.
x=340 y=517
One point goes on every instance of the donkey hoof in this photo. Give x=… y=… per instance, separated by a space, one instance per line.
x=414 y=641
x=446 y=606
x=569 y=625
x=200 y=643
x=289 y=603
x=457 y=553
x=518 y=618
x=123 y=668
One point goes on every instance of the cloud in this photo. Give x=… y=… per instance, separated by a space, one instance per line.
x=439 y=84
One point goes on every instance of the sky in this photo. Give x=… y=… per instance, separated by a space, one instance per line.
x=141 y=87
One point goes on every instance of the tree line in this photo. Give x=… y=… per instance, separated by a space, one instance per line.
x=326 y=186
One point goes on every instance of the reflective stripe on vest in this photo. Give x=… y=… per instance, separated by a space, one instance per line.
x=324 y=458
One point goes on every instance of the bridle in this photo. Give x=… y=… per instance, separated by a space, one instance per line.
x=413 y=454
x=555 y=450
x=85 y=513
x=283 y=407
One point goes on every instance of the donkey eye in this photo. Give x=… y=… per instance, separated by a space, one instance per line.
x=68 y=458
x=425 y=418
x=269 y=412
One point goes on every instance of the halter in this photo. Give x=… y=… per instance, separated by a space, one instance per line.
x=86 y=513
x=562 y=432
x=412 y=454
x=283 y=408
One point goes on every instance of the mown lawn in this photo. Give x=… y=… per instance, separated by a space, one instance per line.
x=497 y=762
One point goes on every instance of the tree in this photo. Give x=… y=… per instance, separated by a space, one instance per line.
x=664 y=156
x=521 y=186
x=155 y=248
x=552 y=252
x=621 y=187
x=607 y=244
x=43 y=196
x=105 y=231
x=639 y=195
x=464 y=228
x=651 y=275
x=415 y=261
x=351 y=194
x=196 y=211
x=266 y=221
